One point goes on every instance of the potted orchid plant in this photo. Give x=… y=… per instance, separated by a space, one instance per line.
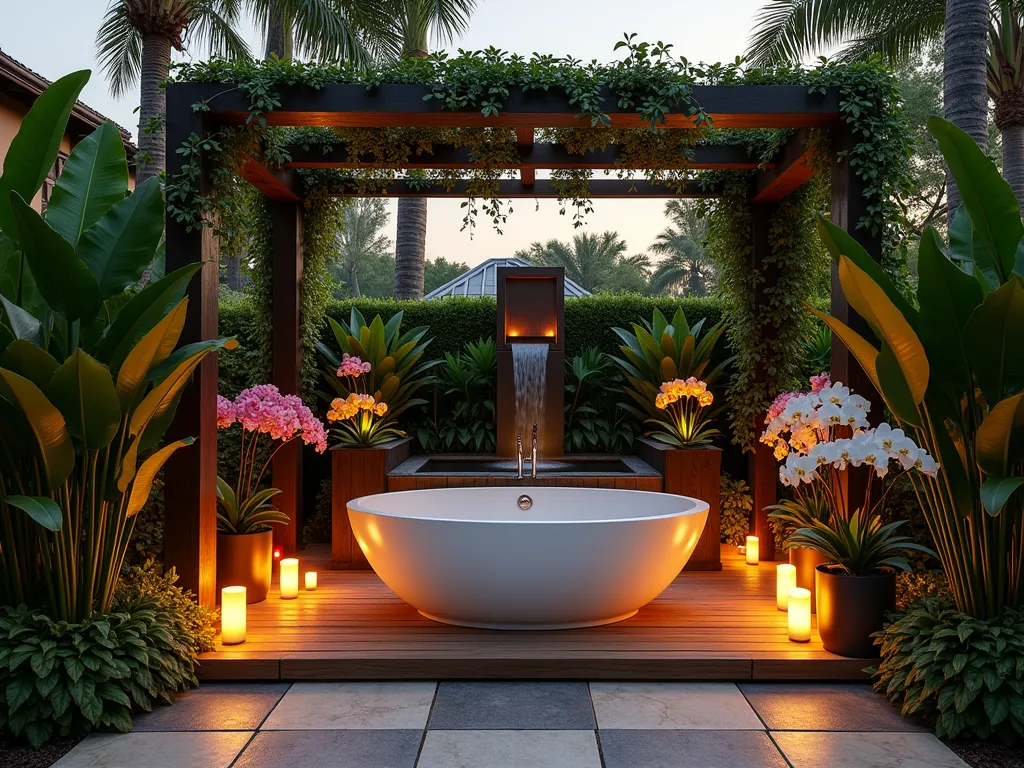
x=268 y=421
x=828 y=435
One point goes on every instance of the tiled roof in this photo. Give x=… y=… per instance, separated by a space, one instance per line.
x=20 y=81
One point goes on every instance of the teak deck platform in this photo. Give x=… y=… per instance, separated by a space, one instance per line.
x=706 y=626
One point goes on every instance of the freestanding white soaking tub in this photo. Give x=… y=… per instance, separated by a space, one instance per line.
x=573 y=557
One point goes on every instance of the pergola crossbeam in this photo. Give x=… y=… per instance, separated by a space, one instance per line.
x=541 y=188
x=792 y=167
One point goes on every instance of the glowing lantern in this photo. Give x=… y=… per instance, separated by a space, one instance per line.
x=799 y=615
x=785 y=580
x=289 y=578
x=310 y=581
x=232 y=615
x=753 y=550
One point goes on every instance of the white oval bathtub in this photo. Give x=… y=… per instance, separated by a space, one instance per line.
x=578 y=557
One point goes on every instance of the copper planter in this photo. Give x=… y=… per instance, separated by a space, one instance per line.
x=246 y=560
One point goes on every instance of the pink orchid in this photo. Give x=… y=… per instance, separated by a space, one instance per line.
x=225 y=412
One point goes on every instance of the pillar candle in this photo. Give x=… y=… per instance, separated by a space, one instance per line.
x=799 y=615
x=752 y=550
x=310 y=581
x=785 y=580
x=289 y=578
x=232 y=615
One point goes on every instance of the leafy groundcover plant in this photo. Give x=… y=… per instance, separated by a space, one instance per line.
x=965 y=675
x=64 y=679
x=461 y=408
x=736 y=503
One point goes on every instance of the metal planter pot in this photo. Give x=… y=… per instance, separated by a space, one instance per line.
x=246 y=560
x=851 y=608
x=806 y=562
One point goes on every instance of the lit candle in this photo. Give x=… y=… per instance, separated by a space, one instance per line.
x=289 y=578
x=310 y=581
x=799 y=615
x=752 y=550
x=232 y=615
x=785 y=580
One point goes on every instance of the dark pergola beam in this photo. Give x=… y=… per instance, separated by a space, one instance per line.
x=527 y=174
x=729 y=106
x=278 y=184
x=792 y=166
x=531 y=157
x=515 y=188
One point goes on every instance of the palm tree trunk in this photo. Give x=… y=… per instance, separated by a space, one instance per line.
x=278 y=43
x=1013 y=159
x=964 y=95
x=233 y=272
x=353 y=281
x=410 y=247
x=156 y=61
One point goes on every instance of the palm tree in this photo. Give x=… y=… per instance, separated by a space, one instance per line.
x=686 y=268
x=588 y=260
x=360 y=239
x=134 y=46
x=789 y=30
x=327 y=30
x=1005 y=79
x=415 y=22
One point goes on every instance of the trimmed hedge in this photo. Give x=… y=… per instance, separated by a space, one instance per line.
x=456 y=321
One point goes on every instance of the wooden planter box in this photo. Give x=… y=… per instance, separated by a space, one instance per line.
x=358 y=472
x=695 y=472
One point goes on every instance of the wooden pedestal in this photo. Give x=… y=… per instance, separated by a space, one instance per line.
x=695 y=472
x=358 y=472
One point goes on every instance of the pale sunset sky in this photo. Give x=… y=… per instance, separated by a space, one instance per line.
x=55 y=37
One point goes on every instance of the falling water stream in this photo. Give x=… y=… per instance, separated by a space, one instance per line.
x=529 y=362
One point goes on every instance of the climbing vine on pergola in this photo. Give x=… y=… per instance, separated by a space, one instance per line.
x=479 y=126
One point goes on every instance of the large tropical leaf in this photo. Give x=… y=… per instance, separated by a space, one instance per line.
x=55 y=451
x=121 y=244
x=987 y=197
x=153 y=349
x=84 y=393
x=63 y=279
x=861 y=348
x=42 y=509
x=992 y=341
x=23 y=324
x=975 y=254
x=34 y=149
x=94 y=178
x=148 y=471
x=1000 y=438
x=34 y=363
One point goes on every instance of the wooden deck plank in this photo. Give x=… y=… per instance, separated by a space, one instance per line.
x=704 y=626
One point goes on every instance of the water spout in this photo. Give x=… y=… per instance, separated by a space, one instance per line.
x=529 y=364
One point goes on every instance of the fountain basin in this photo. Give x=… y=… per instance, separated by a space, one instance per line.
x=475 y=465
x=578 y=557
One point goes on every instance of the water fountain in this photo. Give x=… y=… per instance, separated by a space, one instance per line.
x=531 y=358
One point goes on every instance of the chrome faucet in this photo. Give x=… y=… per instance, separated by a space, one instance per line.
x=533 y=455
x=519 y=454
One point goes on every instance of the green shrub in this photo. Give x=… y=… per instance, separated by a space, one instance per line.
x=736 y=503
x=318 y=527
x=917 y=585
x=66 y=679
x=965 y=675
x=194 y=624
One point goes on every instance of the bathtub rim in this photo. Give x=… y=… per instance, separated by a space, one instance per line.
x=699 y=506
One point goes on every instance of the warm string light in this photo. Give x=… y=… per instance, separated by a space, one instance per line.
x=289 y=578
x=785 y=580
x=232 y=615
x=753 y=551
x=799 y=607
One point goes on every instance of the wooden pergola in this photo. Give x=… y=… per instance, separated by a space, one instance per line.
x=190 y=487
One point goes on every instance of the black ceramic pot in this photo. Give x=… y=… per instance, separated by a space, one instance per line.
x=245 y=560
x=806 y=562
x=851 y=608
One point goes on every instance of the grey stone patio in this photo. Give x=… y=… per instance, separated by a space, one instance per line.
x=521 y=724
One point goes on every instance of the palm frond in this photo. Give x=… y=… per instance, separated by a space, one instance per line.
x=119 y=49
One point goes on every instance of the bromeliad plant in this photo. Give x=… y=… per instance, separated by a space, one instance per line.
x=374 y=379
x=952 y=372
x=462 y=412
x=260 y=411
x=89 y=374
x=666 y=366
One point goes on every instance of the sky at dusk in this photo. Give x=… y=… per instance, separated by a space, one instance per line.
x=585 y=29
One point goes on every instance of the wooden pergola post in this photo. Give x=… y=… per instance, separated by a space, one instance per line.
x=190 y=476
x=286 y=358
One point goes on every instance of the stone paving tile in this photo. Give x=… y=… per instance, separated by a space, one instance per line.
x=376 y=748
x=215 y=707
x=812 y=707
x=510 y=749
x=688 y=749
x=718 y=706
x=823 y=749
x=312 y=706
x=512 y=706
x=209 y=749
